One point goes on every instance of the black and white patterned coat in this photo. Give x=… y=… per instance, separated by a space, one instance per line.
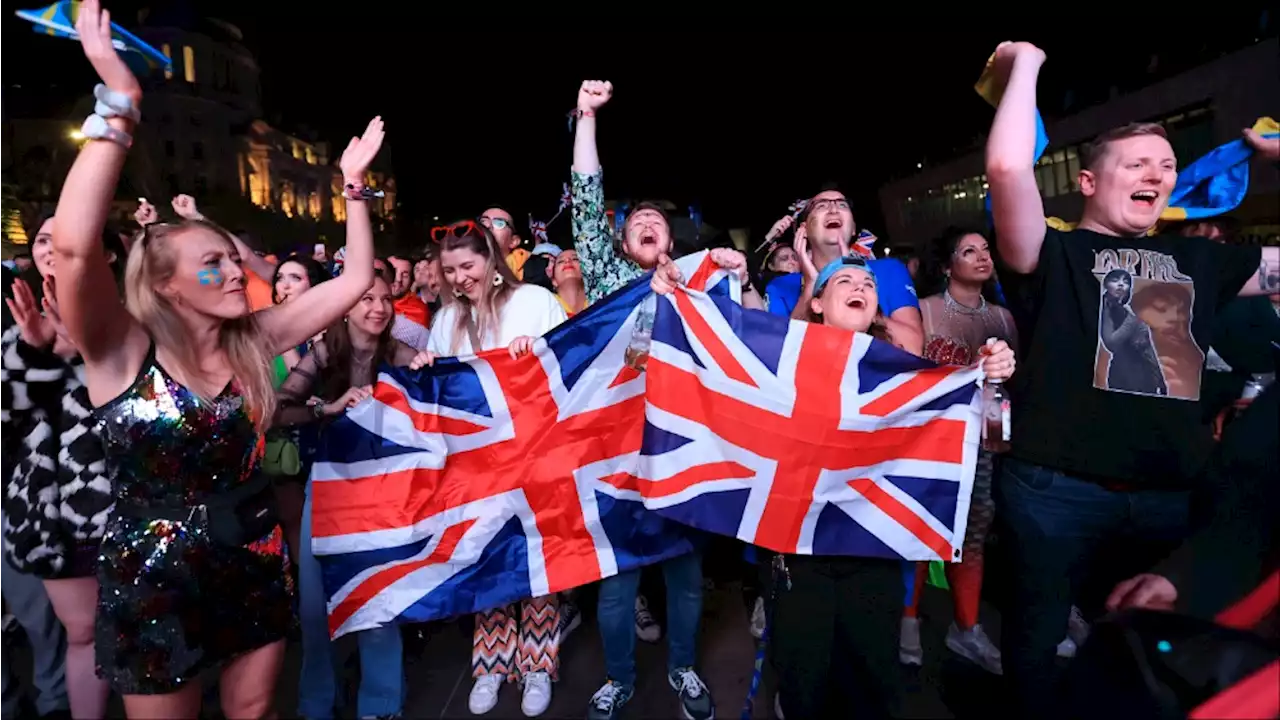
x=57 y=495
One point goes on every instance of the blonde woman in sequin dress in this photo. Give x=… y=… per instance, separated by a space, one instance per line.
x=182 y=382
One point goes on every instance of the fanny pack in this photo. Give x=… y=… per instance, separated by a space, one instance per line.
x=232 y=519
x=281 y=457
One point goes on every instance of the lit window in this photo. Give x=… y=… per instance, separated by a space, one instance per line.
x=168 y=70
x=188 y=63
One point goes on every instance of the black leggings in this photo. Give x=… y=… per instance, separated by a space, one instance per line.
x=834 y=637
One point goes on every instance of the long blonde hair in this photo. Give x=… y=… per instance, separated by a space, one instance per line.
x=478 y=239
x=152 y=261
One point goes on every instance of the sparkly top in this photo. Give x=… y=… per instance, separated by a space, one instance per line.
x=166 y=446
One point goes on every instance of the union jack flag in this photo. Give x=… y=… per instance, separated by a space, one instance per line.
x=802 y=438
x=480 y=481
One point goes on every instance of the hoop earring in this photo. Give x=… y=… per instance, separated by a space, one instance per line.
x=497 y=279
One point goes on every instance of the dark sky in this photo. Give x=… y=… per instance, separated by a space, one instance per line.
x=742 y=122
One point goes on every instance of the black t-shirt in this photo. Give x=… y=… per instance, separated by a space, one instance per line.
x=1114 y=333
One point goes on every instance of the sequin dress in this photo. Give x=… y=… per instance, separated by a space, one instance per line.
x=172 y=602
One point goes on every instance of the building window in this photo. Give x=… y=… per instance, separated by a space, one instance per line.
x=337 y=202
x=297 y=150
x=188 y=64
x=287 y=198
x=311 y=156
x=244 y=179
x=313 y=203
x=168 y=70
x=197 y=151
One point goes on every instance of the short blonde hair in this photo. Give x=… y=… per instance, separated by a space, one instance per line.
x=1093 y=151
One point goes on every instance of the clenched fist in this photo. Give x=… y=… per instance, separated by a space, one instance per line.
x=593 y=94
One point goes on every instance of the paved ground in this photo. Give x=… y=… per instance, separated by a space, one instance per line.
x=439 y=676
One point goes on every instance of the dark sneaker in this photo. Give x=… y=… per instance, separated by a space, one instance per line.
x=608 y=701
x=570 y=619
x=695 y=698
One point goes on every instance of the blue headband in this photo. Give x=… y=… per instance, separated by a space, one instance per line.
x=835 y=266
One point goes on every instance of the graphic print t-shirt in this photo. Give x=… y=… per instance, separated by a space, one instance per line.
x=1115 y=332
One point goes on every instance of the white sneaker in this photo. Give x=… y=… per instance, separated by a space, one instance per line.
x=537 y=694
x=1077 y=627
x=974 y=645
x=647 y=629
x=758 y=619
x=909 y=650
x=1067 y=648
x=484 y=694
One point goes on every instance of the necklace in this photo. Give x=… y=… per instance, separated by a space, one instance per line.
x=955 y=306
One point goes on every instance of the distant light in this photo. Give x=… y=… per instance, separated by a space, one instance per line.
x=76 y=135
x=435 y=218
x=888 y=251
x=919 y=165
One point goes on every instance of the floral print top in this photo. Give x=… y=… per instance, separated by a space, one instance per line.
x=603 y=269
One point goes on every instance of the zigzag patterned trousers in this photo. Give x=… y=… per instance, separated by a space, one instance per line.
x=518 y=639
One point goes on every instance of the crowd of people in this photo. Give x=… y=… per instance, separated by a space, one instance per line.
x=164 y=388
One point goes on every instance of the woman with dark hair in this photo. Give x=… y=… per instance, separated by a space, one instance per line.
x=487 y=308
x=337 y=375
x=960 y=314
x=58 y=498
x=1134 y=365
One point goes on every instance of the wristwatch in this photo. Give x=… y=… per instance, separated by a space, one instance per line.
x=318 y=410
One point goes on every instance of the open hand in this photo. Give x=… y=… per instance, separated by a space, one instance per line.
x=521 y=346
x=361 y=151
x=185 y=206
x=93 y=24
x=801 y=244
x=593 y=94
x=351 y=398
x=666 y=276
x=36 y=330
x=1147 y=591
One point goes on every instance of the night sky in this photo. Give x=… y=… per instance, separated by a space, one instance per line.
x=742 y=122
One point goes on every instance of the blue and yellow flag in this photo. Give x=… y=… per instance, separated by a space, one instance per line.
x=1213 y=185
x=59 y=20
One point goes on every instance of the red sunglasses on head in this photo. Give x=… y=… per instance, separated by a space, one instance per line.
x=458 y=229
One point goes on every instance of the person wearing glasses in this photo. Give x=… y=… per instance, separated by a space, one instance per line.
x=487 y=308
x=499 y=222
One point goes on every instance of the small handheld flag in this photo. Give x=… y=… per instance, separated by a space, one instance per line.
x=59 y=20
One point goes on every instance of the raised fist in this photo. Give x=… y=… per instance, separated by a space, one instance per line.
x=593 y=94
x=1007 y=51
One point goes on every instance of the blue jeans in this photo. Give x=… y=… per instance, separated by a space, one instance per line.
x=29 y=603
x=616 y=615
x=1054 y=525
x=382 y=686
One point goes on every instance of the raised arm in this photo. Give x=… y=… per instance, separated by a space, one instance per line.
x=185 y=206
x=294 y=322
x=108 y=337
x=1016 y=207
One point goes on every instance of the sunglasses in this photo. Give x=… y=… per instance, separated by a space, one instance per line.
x=458 y=229
x=495 y=223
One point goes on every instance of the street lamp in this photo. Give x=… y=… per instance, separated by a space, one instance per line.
x=76 y=135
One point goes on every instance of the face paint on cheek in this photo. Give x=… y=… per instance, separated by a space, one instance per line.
x=211 y=276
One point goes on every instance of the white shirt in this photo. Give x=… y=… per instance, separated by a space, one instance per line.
x=530 y=310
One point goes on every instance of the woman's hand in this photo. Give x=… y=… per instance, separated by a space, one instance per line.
x=361 y=151
x=521 y=346
x=36 y=330
x=146 y=213
x=1268 y=148
x=425 y=358
x=185 y=206
x=594 y=94
x=94 y=27
x=666 y=276
x=1147 y=591
x=801 y=244
x=351 y=398
x=779 y=227
x=997 y=360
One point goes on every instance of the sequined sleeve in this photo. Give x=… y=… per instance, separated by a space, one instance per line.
x=603 y=269
x=297 y=388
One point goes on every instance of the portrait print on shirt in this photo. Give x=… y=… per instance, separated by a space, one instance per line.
x=1145 y=346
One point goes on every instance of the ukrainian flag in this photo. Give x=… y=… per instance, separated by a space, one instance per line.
x=1213 y=185
x=59 y=20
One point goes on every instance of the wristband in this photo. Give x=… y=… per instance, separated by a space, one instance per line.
x=576 y=113
x=358 y=191
x=96 y=128
x=113 y=104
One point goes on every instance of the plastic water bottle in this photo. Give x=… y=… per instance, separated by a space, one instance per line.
x=637 y=353
x=996 y=415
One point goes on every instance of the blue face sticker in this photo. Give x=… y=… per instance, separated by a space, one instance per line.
x=211 y=276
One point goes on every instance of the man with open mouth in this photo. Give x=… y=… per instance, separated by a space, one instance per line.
x=1094 y=468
